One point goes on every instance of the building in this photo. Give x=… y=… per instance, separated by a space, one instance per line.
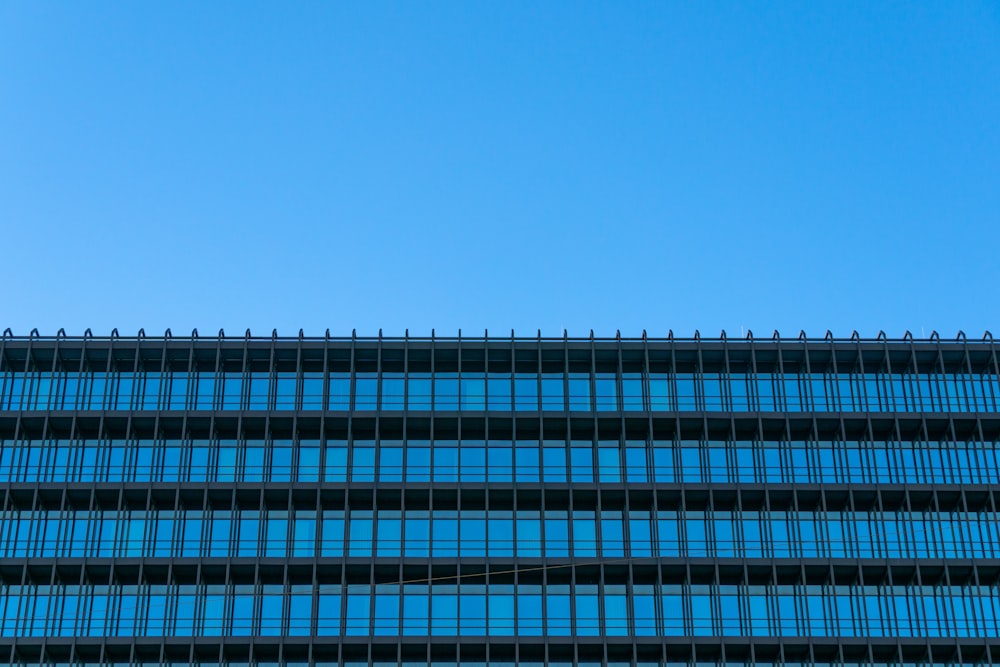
x=377 y=501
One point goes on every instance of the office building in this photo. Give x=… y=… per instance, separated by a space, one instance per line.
x=498 y=500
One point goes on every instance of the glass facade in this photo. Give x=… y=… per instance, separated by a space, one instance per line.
x=420 y=502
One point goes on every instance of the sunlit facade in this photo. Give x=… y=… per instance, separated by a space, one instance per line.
x=496 y=501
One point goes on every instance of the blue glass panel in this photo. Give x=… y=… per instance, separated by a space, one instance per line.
x=579 y=392
x=554 y=461
x=258 y=394
x=581 y=456
x=365 y=391
x=608 y=463
x=499 y=391
x=473 y=389
x=446 y=391
x=393 y=391
x=632 y=392
x=312 y=391
x=525 y=392
x=587 y=608
x=387 y=608
x=686 y=394
x=526 y=460
x=340 y=391
x=358 y=611
x=553 y=392
x=418 y=391
x=660 y=391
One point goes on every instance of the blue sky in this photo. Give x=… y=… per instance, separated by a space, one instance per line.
x=700 y=165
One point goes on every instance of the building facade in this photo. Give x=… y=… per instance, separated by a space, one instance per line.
x=498 y=501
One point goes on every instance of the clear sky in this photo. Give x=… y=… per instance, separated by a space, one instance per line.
x=525 y=165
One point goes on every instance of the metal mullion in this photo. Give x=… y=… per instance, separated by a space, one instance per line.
x=55 y=390
x=325 y=376
x=860 y=402
x=911 y=381
x=5 y=370
x=807 y=400
x=349 y=476
x=889 y=403
x=136 y=380
x=540 y=404
x=938 y=383
x=700 y=402
x=165 y=390
x=112 y=380
x=404 y=473
x=260 y=552
x=28 y=382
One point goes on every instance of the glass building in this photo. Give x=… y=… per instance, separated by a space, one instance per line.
x=372 y=502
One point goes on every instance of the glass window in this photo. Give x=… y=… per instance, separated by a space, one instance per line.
x=554 y=460
x=304 y=536
x=579 y=391
x=609 y=466
x=472 y=612
x=526 y=462
x=416 y=610
x=499 y=390
x=473 y=460
x=529 y=611
x=418 y=461
x=584 y=533
x=588 y=619
x=419 y=391
x=500 y=603
x=525 y=391
x=361 y=532
x=558 y=613
x=365 y=391
x=606 y=391
x=272 y=599
x=612 y=534
x=340 y=391
x=387 y=602
x=582 y=461
x=616 y=616
x=446 y=391
x=660 y=392
x=336 y=461
x=553 y=393
x=307 y=466
x=300 y=611
x=444 y=610
x=389 y=533
x=556 y=534
x=390 y=461
x=312 y=391
x=393 y=391
x=473 y=392
x=445 y=461
x=632 y=394
x=418 y=533
x=500 y=461
x=358 y=611
x=686 y=395
x=363 y=468
x=259 y=387
x=644 y=604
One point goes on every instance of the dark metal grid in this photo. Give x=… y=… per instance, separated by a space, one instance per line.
x=137 y=354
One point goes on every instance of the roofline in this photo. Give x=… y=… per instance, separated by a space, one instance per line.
x=828 y=338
